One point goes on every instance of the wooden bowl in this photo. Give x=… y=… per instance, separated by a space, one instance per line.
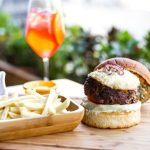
x=29 y=127
x=42 y=87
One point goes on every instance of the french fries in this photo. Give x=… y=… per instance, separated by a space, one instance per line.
x=63 y=106
x=5 y=113
x=48 y=106
x=33 y=105
x=26 y=113
x=13 y=115
x=14 y=109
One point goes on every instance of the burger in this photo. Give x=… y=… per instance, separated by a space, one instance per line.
x=114 y=93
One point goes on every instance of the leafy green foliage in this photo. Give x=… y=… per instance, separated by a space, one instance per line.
x=74 y=59
x=19 y=53
x=123 y=44
x=10 y=31
x=5 y=19
x=80 y=52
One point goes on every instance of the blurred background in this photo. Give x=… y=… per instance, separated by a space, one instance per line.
x=95 y=30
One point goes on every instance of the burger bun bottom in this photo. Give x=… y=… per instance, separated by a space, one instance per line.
x=112 y=120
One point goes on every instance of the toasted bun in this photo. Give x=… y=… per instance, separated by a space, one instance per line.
x=130 y=65
x=137 y=68
x=111 y=119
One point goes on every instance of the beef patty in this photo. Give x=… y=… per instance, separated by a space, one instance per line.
x=101 y=94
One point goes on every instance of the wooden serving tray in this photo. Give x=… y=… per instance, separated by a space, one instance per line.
x=29 y=127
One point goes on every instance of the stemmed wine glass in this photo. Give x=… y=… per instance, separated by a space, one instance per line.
x=44 y=29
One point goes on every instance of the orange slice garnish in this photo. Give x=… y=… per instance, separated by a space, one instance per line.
x=58 y=26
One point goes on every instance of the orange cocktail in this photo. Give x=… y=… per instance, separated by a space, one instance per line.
x=44 y=32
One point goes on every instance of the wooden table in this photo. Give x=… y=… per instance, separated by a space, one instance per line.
x=84 y=137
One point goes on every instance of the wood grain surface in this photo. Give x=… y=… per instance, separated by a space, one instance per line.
x=84 y=137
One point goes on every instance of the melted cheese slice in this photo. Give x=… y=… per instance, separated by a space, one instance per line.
x=127 y=81
x=111 y=108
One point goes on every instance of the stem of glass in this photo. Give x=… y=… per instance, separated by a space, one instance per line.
x=46 y=68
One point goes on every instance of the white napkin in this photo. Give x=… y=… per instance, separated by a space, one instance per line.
x=3 y=90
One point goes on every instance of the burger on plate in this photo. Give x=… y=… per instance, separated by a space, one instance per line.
x=114 y=91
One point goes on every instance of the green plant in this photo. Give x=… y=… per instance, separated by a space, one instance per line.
x=80 y=52
x=123 y=44
x=75 y=58
x=10 y=30
x=19 y=53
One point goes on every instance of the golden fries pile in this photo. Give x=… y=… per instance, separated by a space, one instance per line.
x=32 y=105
